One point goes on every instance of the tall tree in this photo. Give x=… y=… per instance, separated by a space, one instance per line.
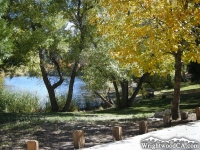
x=39 y=39
x=152 y=36
x=79 y=39
x=43 y=39
x=102 y=71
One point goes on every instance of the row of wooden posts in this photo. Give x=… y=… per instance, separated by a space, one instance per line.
x=79 y=140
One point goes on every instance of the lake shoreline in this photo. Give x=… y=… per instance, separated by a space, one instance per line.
x=36 y=86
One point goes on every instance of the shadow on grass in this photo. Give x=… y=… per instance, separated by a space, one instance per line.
x=190 y=99
x=14 y=117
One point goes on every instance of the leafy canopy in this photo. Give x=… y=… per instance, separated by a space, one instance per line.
x=37 y=25
x=144 y=34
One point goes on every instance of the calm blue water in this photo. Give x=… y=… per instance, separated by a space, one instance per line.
x=36 y=86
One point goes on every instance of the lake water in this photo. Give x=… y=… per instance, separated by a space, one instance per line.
x=36 y=86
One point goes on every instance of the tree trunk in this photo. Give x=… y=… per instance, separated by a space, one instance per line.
x=124 y=86
x=103 y=99
x=50 y=88
x=79 y=17
x=139 y=85
x=53 y=101
x=117 y=94
x=176 y=99
x=127 y=102
x=71 y=86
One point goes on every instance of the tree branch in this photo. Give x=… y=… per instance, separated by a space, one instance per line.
x=55 y=85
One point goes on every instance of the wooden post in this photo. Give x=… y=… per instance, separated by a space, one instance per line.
x=184 y=115
x=166 y=121
x=143 y=127
x=117 y=133
x=78 y=139
x=198 y=113
x=32 y=145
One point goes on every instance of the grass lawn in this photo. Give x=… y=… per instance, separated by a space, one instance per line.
x=16 y=128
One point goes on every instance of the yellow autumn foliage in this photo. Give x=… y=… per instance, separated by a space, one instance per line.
x=145 y=33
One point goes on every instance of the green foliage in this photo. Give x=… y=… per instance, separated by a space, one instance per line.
x=5 y=33
x=37 y=25
x=101 y=68
x=158 y=82
x=18 y=102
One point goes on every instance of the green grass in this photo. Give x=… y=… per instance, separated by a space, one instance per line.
x=184 y=87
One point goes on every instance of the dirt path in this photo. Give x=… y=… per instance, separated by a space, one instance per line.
x=58 y=136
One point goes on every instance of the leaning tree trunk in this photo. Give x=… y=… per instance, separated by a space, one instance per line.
x=71 y=86
x=103 y=99
x=176 y=99
x=139 y=85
